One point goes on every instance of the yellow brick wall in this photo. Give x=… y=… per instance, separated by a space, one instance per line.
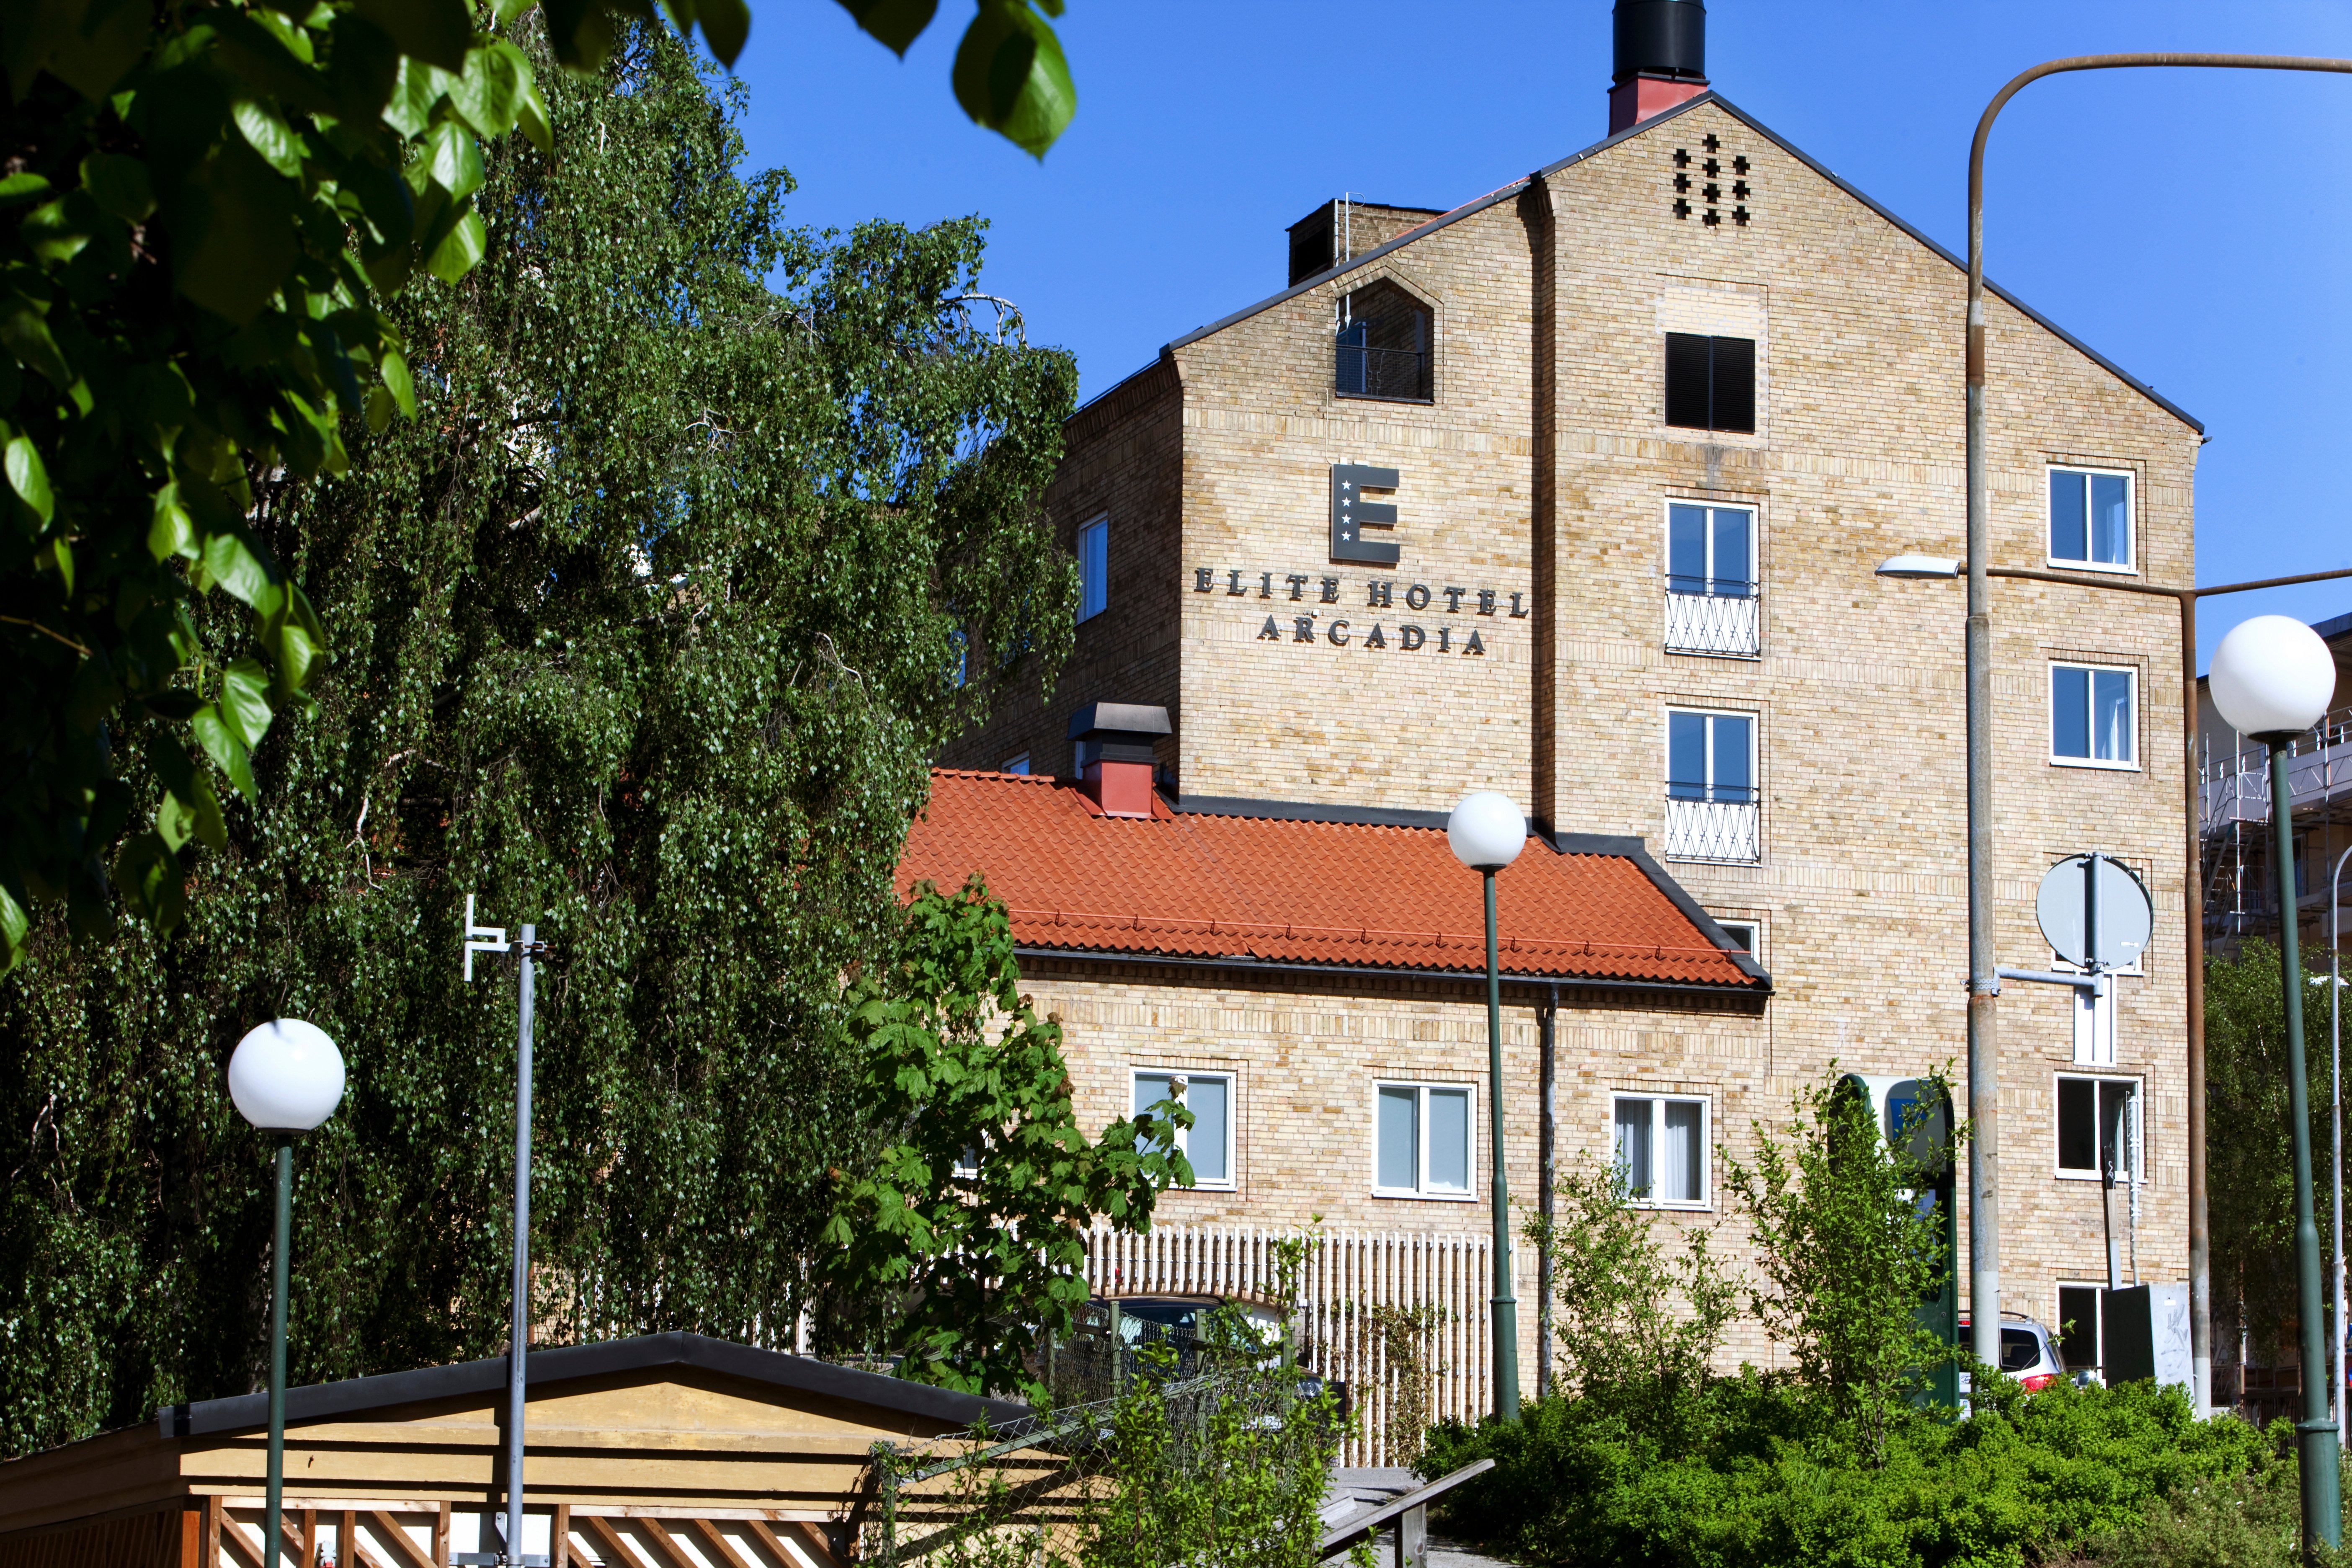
x=1545 y=447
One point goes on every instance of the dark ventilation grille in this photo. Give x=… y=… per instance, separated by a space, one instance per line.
x=1712 y=184
x=1711 y=383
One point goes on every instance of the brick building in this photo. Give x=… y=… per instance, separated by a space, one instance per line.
x=1575 y=492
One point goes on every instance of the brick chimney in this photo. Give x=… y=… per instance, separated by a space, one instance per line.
x=1115 y=753
x=1661 y=58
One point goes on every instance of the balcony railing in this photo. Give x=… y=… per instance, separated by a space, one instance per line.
x=1712 y=616
x=1729 y=831
x=1398 y=374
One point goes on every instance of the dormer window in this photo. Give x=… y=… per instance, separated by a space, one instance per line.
x=1383 y=345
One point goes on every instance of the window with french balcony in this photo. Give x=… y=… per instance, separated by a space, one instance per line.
x=1712 y=805
x=1713 y=606
x=1383 y=351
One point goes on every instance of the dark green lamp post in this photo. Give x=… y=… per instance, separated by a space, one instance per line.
x=2272 y=678
x=1486 y=833
x=286 y=1078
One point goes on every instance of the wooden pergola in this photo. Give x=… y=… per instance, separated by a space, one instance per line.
x=666 y=1451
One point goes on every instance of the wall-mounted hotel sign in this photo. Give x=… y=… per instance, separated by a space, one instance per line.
x=1318 y=625
x=1352 y=514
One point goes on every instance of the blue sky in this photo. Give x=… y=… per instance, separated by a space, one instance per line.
x=2189 y=225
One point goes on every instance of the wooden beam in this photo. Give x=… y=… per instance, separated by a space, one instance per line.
x=397 y=1540
x=347 y=1539
x=310 y=1556
x=559 y=1547
x=192 y=1536
x=441 y=1539
x=290 y=1536
x=657 y=1532
x=608 y=1541
x=811 y=1539
x=724 y=1549
x=241 y=1548
x=212 y=1532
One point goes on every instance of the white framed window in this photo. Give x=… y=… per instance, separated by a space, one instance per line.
x=1660 y=1144
x=1710 y=549
x=1711 y=580
x=1747 y=936
x=1712 y=810
x=1094 y=568
x=1422 y=1138
x=1016 y=764
x=2091 y=520
x=2093 y=716
x=1208 y=1143
x=2098 y=1124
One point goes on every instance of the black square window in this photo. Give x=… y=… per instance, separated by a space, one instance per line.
x=1711 y=383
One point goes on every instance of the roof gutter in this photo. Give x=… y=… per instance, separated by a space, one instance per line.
x=1239 y=964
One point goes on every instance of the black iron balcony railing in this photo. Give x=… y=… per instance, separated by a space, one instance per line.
x=1398 y=374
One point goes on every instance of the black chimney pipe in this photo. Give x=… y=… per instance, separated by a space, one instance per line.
x=1661 y=39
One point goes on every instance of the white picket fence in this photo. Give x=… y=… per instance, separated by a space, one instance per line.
x=1344 y=1278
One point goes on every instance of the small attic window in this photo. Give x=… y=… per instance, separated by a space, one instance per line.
x=1383 y=345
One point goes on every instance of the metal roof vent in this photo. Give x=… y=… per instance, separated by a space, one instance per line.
x=1661 y=58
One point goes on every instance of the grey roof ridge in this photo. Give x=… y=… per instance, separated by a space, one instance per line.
x=320 y=1401
x=1515 y=186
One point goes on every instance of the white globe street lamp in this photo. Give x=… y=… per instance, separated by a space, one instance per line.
x=285 y=1077
x=2272 y=677
x=1487 y=834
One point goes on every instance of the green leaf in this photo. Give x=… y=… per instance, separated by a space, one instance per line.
x=897 y=23
x=414 y=93
x=244 y=700
x=57 y=554
x=171 y=530
x=27 y=336
x=455 y=256
x=147 y=875
x=233 y=222
x=14 y=923
x=398 y=381
x=91 y=46
x=381 y=407
x=29 y=478
x=454 y=159
x=212 y=733
x=57 y=232
x=238 y=564
x=485 y=94
x=362 y=67
x=273 y=59
x=21 y=187
x=726 y=24
x=435 y=31
x=118 y=185
x=266 y=132
x=530 y=112
x=1009 y=76
x=504 y=14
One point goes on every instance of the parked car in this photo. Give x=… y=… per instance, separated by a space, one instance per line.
x=2029 y=1353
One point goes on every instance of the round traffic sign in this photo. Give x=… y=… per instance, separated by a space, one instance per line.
x=2065 y=904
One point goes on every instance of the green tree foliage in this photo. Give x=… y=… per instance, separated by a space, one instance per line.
x=644 y=630
x=965 y=1272
x=2030 y=1478
x=208 y=207
x=1845 y=1256
x=1638 y=1329
x=2249 y=1141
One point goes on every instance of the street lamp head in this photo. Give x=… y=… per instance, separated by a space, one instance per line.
x=1487 y=831
x=2273 y=677
x=286 y=1076
x=1921 y=567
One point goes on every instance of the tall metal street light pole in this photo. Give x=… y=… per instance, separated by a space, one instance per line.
x=2335 y=1093
x=2272 y=678
x=285 y=1077
x=1487 y=834
x=1984 y=1166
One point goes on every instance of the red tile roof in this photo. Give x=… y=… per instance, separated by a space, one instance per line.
x=1197 y=885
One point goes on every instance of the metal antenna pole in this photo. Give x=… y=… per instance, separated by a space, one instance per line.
x=519 y=1333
